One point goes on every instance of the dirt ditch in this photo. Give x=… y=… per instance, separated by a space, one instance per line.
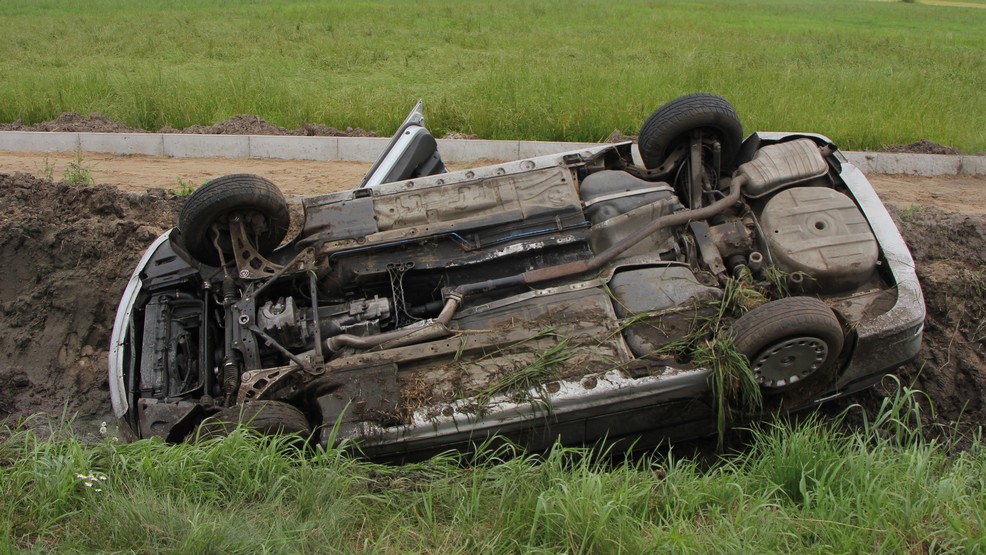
x=67 y=252
x=950 y=256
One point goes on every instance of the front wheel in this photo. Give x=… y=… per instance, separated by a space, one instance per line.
x=255 y=199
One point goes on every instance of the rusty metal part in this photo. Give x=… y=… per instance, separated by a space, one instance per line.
x=429 y=330
x=711 y=254
x=439 y=326
x=216 y=233
x=304 y=261
x=257 y=383
x=670 y=163
x=731 y=238
x=603 y=258
x=273 y=343
x=695 y=181
x=313 y=290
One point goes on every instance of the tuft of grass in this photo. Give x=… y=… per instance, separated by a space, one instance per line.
x=47 y=170
x=734 y=388
x=78 y=172
x=184 y=189
x=530 y=380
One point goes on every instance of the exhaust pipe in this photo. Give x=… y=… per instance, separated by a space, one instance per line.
x=437 y=328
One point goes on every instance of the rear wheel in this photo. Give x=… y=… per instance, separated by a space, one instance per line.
x=673 y=124
x=255 y=199
x=793 y=345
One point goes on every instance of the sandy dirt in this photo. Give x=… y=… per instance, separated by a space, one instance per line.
x=68 y=250
x=138 y=173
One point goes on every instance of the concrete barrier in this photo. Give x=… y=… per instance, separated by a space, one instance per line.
x=366 y=149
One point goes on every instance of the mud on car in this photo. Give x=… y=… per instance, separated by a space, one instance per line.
x=633 y=292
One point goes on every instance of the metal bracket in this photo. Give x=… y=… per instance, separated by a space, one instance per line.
x=396 y=272
x=255 y=384
x=673 y=159
x=707 y=248
x=250 y=264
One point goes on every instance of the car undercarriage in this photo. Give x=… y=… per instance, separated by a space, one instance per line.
x=645 y=292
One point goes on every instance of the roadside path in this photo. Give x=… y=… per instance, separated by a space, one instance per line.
x=963 y=194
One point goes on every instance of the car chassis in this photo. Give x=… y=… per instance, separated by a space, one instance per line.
x=560 y=298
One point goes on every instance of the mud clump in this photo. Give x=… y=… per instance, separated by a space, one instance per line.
x=236 y=125
x=67 y=252
x=255 y=125
x=923 y=146
x=71 y=122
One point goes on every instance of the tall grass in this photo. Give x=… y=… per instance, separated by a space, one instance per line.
x=865 y=73
x=806 y=487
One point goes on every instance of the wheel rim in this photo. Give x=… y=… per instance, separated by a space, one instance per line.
x=789 y=361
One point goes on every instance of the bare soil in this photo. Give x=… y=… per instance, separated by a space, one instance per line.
x=243 y=124
x=67 y=252
x=949 y=249
x=923 y=146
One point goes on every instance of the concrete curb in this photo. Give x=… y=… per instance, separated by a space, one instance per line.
x=366 y=149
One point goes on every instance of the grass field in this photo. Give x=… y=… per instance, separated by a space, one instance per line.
x=798 y=489
x=864 y=73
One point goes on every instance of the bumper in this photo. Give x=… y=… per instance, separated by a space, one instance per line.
x=894 y=337
x=118 y=358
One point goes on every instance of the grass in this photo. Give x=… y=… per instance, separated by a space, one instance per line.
x=709 y=345
x=77 y=172
x=47 y=169
x=185 y=188
x=864 y=73
x=810 y=487
x=530 y=378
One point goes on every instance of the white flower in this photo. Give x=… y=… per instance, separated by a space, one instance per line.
x=92 y=479
x=102 y=428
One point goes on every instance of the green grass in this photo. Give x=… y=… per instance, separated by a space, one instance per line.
x=185 y=188
x=78 y=172
x=864 y=73
x=805 y=488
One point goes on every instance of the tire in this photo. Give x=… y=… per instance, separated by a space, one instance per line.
x=269 y=418
x=792 y=344
x=217 y=199
x=674 y=122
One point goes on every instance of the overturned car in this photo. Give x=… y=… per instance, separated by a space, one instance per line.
x=621 y=292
